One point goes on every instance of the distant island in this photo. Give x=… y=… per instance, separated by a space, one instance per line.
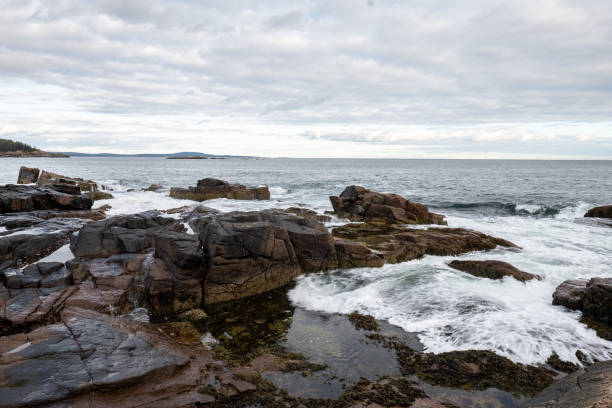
x=10 y=148
x=194 y=157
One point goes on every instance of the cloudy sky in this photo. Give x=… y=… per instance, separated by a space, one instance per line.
x=353 y=78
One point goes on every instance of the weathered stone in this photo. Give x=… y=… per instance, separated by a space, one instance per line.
x=20 y=198
x=356 y=255
x=590 y=387
x=492 y=270
x=23 y=248
x=253 y=252
x=597 y=303
x=27 y=175
x=604 y=211
x=570 y=294
x=360 y=204
x=99 y=195
x=153 y=187
x=396 y=244
x=47 y=178
x=209 y=188
x=121 y=234
x=308 y=214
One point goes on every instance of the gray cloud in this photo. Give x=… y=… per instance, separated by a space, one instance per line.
x=426 y=73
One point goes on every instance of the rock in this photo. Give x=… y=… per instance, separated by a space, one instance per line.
x=364 y=322
x=395 y=244
x=604 y=211
x=590 y=387
x=360 y=204
x=565 y=366
x=121 y=234
x=46 y=178
x=27 y=247
x=253 y=252
x=597 y=303
x=20 y=198
x=27 y=175
x=570 y=294
x=492 y=270
x=209 y=188
x=356 y=255
x=99 y=195
x=153 y=187
x=308 y=214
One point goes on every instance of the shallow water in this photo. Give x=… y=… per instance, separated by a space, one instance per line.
x=538 y=205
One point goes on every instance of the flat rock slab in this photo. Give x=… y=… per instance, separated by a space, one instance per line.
x=85 y=352
x=492 y=270
x=18 y=198
x=590 y=387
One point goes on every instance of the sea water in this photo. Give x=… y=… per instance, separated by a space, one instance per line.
x=538 y=205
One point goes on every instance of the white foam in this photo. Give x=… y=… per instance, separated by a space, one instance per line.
x=139 y=201
x=453 y=310
x=3 y=229
x=277 y=191
x=530 y=208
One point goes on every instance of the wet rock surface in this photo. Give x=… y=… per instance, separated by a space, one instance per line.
x=604 y=211
x=396 y=244
x=360 y=204
x=209 y=188
x=570 y=294
x=492 y=270
x=20 y=198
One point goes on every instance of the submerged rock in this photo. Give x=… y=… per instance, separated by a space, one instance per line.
x=604 y=211
x=395 y=244
x=492 y=270
x=209 y=188
x=360 y=204
x=153 y=187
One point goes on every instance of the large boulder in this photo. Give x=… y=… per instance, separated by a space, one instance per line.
x=50 y=179
x=597 y=303
x=27 y=175
x=20 y=198
x=210 y=188
x=570 y=294
x=121 y=234
x=360 y=204
x=492 y=270
x=604 y=211
x=253 y=252
x=395 y=244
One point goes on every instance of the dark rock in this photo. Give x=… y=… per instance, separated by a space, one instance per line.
x=23 y=248
x=590 y=387
x=555 y=362
x=19 y=198
x=492 y=270
x=17 y=279
x=253 y=252
x=360 y=204
x=99 y=195
x=363 y=322
x=47 y=178
x=209 y=188
x=121 y=234
x=27 y=175
x=66 y=188
x=153 y=187
x=600 y=212
x=570 y=294
x=356 y=255
x=396 y=244
x=308 y=214
x=60 y=278
x=597 y=303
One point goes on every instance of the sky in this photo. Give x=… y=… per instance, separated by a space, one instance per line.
x=383 y=79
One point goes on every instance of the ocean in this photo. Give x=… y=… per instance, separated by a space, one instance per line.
x=538 y=205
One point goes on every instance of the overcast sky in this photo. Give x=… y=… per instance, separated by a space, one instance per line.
x=457 y=79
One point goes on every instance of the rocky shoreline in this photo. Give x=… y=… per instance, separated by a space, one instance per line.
x=189 y=307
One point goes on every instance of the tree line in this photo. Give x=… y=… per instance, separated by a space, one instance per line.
x=11 y=146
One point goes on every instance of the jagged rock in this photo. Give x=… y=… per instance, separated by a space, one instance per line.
x=570 y=294
x=589 y=387
x=121 y=234
x=396 y=244
x=492 y=270
x=209 y=188
x=604 y=211
x=360 y=204
x=597 y=303
x=47 y=178
x=27 y=175
x=253 y=252
x=20 y=198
